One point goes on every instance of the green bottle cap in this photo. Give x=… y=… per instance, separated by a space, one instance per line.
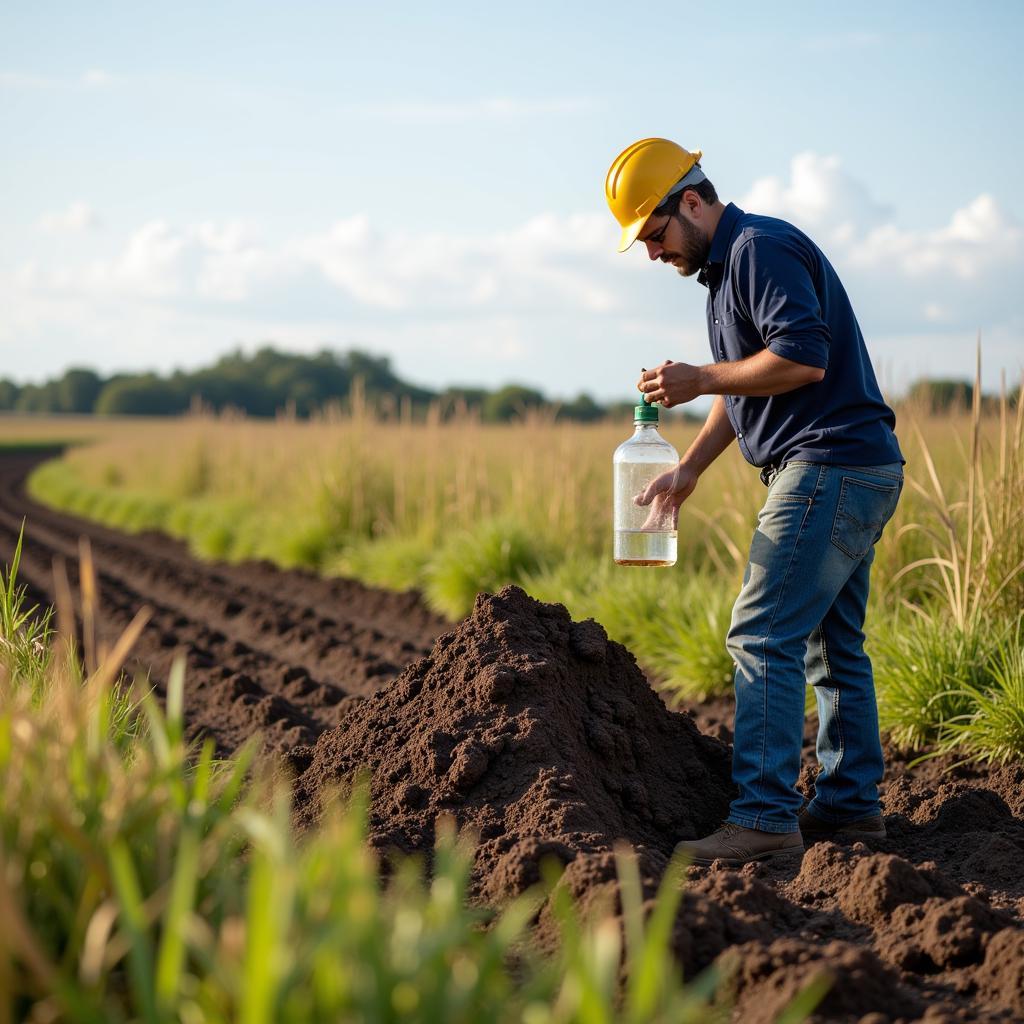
x=645 y=413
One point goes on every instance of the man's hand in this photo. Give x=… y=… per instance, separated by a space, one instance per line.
x=671 y=384
x=665 y=493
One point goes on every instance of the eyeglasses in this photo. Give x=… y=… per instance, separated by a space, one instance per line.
x=659 y=235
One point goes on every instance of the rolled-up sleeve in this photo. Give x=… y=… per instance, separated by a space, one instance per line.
x=772 y=280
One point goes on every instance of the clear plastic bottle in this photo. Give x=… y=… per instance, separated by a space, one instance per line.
x=640 y=537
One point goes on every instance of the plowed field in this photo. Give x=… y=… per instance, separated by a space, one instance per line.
x=266 y=649
x=547 y=738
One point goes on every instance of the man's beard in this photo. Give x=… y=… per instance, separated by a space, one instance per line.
x=694 y=250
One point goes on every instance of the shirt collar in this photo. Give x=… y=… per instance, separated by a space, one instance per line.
x=711 y=272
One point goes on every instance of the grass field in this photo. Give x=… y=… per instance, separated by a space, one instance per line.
x=455 y=508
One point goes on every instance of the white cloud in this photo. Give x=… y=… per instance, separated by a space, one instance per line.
x=79 y=216
x=350 y=255
x=839 y=212
x=546 y=262
x=234 y=261
x=820 y=197
x=979 y=237
x=547 y=298
x=150 y=266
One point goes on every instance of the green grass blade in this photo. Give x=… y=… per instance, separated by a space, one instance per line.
x=171 y=954
x=140 y=952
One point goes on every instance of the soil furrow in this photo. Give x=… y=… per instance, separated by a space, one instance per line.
x=260 y=659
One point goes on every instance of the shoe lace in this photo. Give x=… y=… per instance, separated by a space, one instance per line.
x=728 y=829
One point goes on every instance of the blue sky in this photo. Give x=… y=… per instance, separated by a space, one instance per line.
x=426 y=181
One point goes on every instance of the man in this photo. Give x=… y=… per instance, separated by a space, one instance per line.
x=794 y=387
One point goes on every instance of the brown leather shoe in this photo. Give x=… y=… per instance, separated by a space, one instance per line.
x=735 y=845
x=871 y=827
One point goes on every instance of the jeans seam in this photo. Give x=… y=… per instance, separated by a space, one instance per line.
x=824 y=655
x=834 y=688
x=764 y=655
x=839 y=729
x=836 y=716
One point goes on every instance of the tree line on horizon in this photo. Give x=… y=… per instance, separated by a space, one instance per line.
x=270 y=382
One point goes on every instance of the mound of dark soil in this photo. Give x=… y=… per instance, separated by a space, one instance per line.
x=536 y=732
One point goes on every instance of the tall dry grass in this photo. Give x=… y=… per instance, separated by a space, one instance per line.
x=452 y=507
x=951 y=659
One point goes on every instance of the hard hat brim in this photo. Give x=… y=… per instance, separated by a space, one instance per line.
x=630 y=232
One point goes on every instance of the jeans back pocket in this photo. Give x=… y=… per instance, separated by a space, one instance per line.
x=863 y=510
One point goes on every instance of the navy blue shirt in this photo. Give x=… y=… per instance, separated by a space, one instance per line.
x=769 y=286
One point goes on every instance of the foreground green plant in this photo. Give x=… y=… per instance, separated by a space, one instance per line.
x=24 y=630
x=589 y=987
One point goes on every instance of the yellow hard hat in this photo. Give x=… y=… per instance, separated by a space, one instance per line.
x=639 y=179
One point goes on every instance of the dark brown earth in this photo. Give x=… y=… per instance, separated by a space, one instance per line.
x=269 y=651
x=547 y=740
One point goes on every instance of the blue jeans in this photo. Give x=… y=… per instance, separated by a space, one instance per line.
x=799 y=620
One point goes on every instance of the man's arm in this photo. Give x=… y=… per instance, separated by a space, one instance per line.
x=761 y=374
x=715 y=436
